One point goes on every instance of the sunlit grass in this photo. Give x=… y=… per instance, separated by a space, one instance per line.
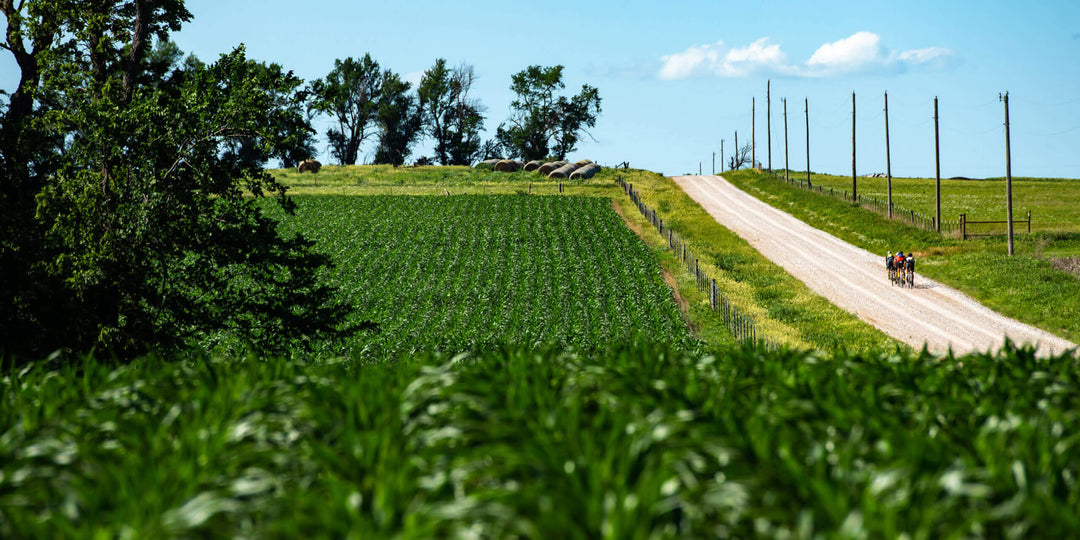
x=1053 y=202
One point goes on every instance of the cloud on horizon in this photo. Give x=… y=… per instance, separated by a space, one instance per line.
x=861 y=52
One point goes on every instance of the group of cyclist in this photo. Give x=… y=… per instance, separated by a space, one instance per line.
x=901 y=268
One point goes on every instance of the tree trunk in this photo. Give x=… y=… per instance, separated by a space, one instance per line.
x=144 y=11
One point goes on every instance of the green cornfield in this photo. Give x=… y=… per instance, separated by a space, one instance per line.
x=465 y=273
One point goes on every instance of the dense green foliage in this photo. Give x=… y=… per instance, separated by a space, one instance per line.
x=350 y=95
x=452 y=118
x=1025 y=287
x=399 y=119
x=548 y=444
x=474 y=272
x=124 y=195
x=541 y=123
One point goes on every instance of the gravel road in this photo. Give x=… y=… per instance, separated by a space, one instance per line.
x=855 y=279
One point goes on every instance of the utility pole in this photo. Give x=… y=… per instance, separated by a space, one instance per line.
x=753 y=135
x=699 y=168
x=1008 y=174
x=714 y=163
x=721 y=155
x=854 y=185
x=937 y=167
x=786 y=178
x=768 y=122
x=807 y=103
x=735 y=160
x=888 y=161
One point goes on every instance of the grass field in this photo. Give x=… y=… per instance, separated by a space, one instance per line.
x=473 y=272
x=433 y=180
x=1026 y=287
x=1053 y=202
x=636 y=441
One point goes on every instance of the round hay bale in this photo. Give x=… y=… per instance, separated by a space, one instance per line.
x=564 y=172
x=546 y=168
x=532 y=165
x=508 y=165
x=586 y=172
x=583 y=162
x=309 y=165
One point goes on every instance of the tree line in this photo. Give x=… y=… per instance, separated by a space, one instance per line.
x=361 y=99
x=127 y=221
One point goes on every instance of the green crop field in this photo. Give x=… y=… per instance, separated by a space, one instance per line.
x=474 y=272
x=636 y=441
x=785 y=310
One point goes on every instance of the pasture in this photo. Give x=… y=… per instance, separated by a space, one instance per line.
x=1053 y=202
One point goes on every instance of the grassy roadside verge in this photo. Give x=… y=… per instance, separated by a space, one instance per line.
x=1024 y=287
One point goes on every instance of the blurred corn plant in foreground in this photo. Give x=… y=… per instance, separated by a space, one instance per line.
x=633 y=441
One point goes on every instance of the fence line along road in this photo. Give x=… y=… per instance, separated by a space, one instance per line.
x=856 y=280
x=740 y=325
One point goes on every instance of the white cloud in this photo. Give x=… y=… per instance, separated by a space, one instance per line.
x=858 y=53
x=723 y=61
x=849 y=54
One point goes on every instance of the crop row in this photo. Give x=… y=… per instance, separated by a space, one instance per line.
x=473 y=272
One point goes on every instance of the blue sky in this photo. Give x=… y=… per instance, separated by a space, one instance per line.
x=678 y=76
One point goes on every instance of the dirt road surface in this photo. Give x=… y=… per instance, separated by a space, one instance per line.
x=855 y=279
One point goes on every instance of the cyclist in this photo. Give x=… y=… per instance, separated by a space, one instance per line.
x=898 y=265
x=909 y=265
x=889 y=265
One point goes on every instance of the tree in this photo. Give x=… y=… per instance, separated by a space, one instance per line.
x=350 y=95
x=436 y=98
x=398 y=119
x=451 y=117
x=138 y=232
x=542 y=123
x=741 y=157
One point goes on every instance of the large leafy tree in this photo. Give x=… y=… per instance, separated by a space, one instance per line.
x=398 y=119
x=130 y=220
x=543 y=123
x=349 y=94
x=452 y=118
